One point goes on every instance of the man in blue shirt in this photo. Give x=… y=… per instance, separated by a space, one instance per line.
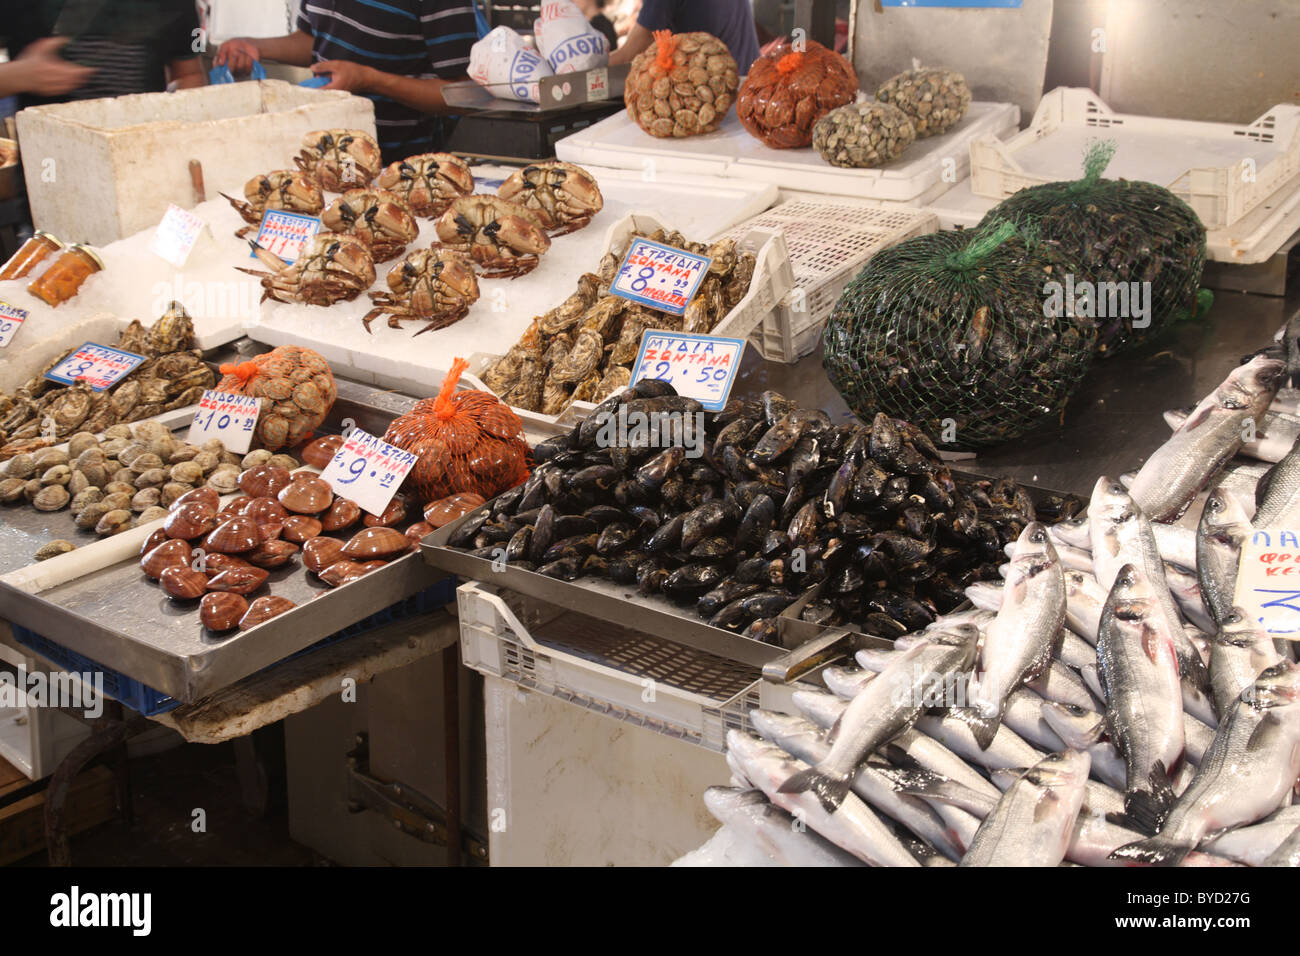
x=731 y=21
x=397 y=53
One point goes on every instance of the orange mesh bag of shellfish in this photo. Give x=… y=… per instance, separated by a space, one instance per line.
x=788 y=90
x=467 y=441
x=682 y=85
x=297 y=388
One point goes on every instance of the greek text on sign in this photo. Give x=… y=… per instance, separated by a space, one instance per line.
x=368 y=470
x=702 y=367
x=176 y=235
x=226 y=417
x=98 y=366
x=283 y=234
x=11 y=320
x=660 y=276
x=1268 y=581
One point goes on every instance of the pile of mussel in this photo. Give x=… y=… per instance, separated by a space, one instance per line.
x=776 y=502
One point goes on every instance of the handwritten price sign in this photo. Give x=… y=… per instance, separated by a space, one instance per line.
x=368 y=470
x=11 y=320
x=98 y=366
x=660 y=276
x=702 y=367
x=1268 y=581
x=283 y=234
x=226 y=417
x=176 y=235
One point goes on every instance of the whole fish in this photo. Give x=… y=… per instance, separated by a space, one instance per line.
x=1277 y=433
x=1277 y=496
x=1074 y=650
x=1186 y=589
x=1248 y=772
x=1084 y=599
x=846 y=681
x=1071 y=558
x=852 y=825
x=1007 y=749
x=1288 y=853
x=1017 y=645
x=1203 y=444
x=1254 y=844
x=1176 y=544
x=1138 y=666
x=1240 y=651
x=777 y=833
x=1223 y=529
x=886 y=707
x=1033 y=822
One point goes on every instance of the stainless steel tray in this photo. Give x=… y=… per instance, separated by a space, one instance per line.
x=113 y=615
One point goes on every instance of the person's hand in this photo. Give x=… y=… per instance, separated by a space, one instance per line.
x=345 y=75
x=45 y=73
x=239 y=54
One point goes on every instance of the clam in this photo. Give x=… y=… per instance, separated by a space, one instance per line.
x=207 y=461
x=204 y=496
x=119 y=499
x=172 y=553
x=20 y=466
x=152 y=513
x=183 y=583
x=123 y=475
x=320 y=553
x=182 y=453
x=173 y=491
x=342 y=572
x=120 y=431
x=87 y=496
x=31 y=488
x=224 y=481
x=300 y=528
x=264 y=481
x=256 y=457
x=94 y=472
x=391 y=516
x=308 y=495
x=129 y=453
x=230 y=458
x=11 y=489
x=113 y=522
x=264 y=608
x=343 y=513
x=156 y=537
x=151 y=478
x=163 y=448
x=111 y=446
x=235 y=535
x=51 y=498
x=446 y=510
x=272 y=554
x=146 y=498
x=287 y=462
x=56 y=475
x=44 y=458
x=380 y=542
x=53 y=549
x=320 y=451
x=118 y=488
x=375 y=565
x=419 y=531
x=236 y=506
x=221 y=610
x=88 y=517
x=213 y=446
x=186 y=471
x=216 y=562
x=82 y=442
x=239 y=580
x=91 y=456
x=189 y=521
x=147 y=431
x=269 y=515
x=77 y=483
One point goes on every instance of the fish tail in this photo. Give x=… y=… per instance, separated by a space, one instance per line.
x=1157 y=851
x=1146 y=809
x=830 y=790
x=984 y=728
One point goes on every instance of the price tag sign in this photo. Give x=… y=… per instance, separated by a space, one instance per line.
x=660 y=276
x=176 y=235
x=368 y=470
x=226 y=417
x=98 y=366
x=702 y=367
x=1268 y=581
x=283 y=234
x=11 y=320
x=597 y=84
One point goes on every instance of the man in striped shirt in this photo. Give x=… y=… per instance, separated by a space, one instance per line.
x=397 y=53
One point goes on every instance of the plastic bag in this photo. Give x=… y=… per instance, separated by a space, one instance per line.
x=298 y=391
x=681 y=86
x=788 y=90
x=568 y=41
x=1137 y=249
x=504 y=65
x=953 y=331
x=467 y=441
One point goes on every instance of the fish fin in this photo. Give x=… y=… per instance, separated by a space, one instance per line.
x=1147 y=809
x=1157 y=851
x=830 y=791
x=984 y=728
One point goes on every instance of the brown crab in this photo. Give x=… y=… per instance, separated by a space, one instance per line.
x=437 y=285
x=281 y=189
x=429 y=182
x=375 y=216
x=503 y=238
x=330 y=268
x=339 y=159
x=563 y=195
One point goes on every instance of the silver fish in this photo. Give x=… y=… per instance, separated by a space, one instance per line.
x=1033 y=822
x=852 y=826
x=1186 y=590
x=1072 y=531
x=1288 y=853
x=1240 y=651
x=1254 y=844
x=1248 y=772
x=1007 y=749
x=1204 y=443
x=1277 y=496
x=1017 y=646
x=774 y=831
x=846 y=681
x=1223 y=529
x=1071 y=558
x=1138 y=666
x=1084 y=599
x=1277 y=433
x=919 y=677
x=1176 y=544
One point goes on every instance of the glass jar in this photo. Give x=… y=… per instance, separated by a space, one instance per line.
x=34 y=251
x=64 y=277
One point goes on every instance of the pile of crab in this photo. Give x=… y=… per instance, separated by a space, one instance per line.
x=42 y=412
x=374 y=220
x=583 y=349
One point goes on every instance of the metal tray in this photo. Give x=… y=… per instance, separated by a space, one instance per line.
x=115 y=616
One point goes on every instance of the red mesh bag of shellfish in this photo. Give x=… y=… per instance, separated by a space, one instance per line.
x=467 y=441
x=788 y=90
x=298 y=391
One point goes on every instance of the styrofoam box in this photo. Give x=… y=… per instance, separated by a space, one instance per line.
x=1222 y=171
x=732 y=152
x=98 y=170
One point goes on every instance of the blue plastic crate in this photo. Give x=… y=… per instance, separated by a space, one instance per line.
x=148 y=701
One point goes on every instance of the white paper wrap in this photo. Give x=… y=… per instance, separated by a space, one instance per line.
x=502 y=63
x=567 y=40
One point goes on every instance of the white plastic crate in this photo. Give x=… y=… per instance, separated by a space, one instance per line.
x=629 y=676
x=828 y=244
x=1222 y=171
x=35 y=739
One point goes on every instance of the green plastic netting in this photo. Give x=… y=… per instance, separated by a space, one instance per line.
x=1141 y=240
x=954 y=332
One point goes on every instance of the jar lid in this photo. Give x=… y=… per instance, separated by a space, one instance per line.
x=49 y=236
x=90 y=253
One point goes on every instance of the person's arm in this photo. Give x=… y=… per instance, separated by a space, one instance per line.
x=186 y=73
x=41 y=71
x=240 y=53
x=638 y=40
x=424 y=95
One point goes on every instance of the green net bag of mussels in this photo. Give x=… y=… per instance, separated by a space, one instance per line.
x=1141 y=240
x=953 y=332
